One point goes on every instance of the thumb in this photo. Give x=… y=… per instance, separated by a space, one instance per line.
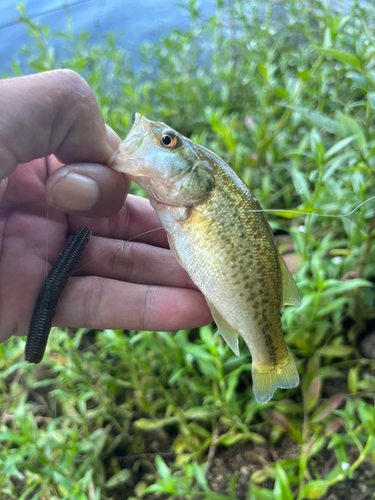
x=3 y=187
x=54 y=112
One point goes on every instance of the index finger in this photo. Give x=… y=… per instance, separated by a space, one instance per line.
x=136 y=220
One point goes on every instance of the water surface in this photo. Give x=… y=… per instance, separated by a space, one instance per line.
x=135 y=21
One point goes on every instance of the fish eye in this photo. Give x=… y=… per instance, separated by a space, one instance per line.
x=169 y=140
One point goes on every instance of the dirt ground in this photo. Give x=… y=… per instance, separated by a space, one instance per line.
x=244 y=460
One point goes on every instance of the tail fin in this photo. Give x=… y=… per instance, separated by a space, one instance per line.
x=267 y=378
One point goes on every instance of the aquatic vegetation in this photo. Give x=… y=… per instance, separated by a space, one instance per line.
x=284 y=92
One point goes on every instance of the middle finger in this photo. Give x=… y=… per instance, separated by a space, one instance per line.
x=133 y=262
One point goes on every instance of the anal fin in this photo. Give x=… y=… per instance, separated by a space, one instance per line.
x=228 y=333
x=290 y=290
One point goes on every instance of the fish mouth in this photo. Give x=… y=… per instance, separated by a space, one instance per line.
x=133 y=147
x=133 y=140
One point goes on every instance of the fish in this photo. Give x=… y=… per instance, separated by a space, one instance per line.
x=219 y=234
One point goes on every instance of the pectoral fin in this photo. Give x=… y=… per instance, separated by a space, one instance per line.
x=290 y=290
x=228 y=333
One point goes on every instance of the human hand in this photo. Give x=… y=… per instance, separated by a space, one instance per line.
x=47 y=121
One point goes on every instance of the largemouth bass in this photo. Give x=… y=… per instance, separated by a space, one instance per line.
x=220 y=236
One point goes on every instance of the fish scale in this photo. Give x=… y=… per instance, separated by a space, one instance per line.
x=247 y=268
x=219 y=237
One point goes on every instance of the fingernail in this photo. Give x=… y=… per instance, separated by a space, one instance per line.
x=75 y=192
x=3 y=186
x=112 y=138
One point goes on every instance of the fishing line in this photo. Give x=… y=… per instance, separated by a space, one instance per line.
x=337 y=216
x=63 y=268
x=122 y=242
x=274 y=210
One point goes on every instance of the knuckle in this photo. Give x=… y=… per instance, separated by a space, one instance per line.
x=119 y=261
x=92 y=302
x=74 y=79
x=146 y=318
x=74 y=92
x=130 y=260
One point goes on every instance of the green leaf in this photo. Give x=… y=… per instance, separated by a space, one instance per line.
x=261 y=475
x=315 y=489
x=346 y=286
x=301 y=184
x=319 y=120
x=296 y=212
x=313 y=393
x=371 y=98
x=200 y=476
x=366 y=412
x=353 y=380
x=147 y=424
x=338 y=161
x=339 y=146
x=332 y=306
x=14 y=438
x=122 y=477
x=353 y=127
x=162 y=468
x=336 y=350
x=282 y=489
x=343 y=57
x=326 y=408
x=154 y=488
x=12 y=368
x=198 y=412
x=258 y=493
x=229 y=438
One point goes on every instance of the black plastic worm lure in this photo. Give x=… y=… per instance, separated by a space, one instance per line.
x=49 y=294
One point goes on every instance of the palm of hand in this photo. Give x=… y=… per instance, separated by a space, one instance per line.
x=119 y=284
x=31 y=237
x=122 y=285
